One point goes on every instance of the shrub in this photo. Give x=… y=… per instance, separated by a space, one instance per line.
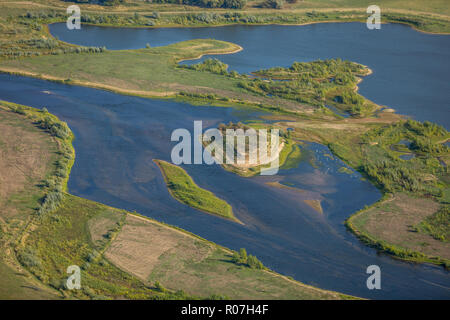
x=159 y=287
x=274 y=4
x=254 y=263
x=29 y=258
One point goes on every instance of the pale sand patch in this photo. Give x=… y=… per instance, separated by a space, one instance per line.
x=315 y=204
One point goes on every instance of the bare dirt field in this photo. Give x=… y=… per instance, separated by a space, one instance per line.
x=26 y=154
x=154 y=252
x=140 y=244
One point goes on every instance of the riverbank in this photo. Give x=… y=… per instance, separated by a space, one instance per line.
x=92 y=235
x=424 y=17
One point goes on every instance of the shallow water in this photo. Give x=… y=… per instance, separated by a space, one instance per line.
x=118 y=136
x=410 y=69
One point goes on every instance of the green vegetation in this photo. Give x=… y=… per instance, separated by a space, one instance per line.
x=437 y=225
x=99 y=2
x=146 y=72
x=241 y=258
x=421 y=175
x=315 y=83
x=211 y=65
x=227 y=4
x=56 y=183
x=184 y=189
x=60 y=240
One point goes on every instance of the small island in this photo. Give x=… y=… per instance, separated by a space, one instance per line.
x=184 y=189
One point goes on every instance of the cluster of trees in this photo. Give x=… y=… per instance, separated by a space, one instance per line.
x=437 y=225
x=392 y=175
x=250 y=261
x=39 y=46
x=355 y=103
x=100 y=2
x=229 y=4
x=313 y=83
x=29 y=258
x=322 y=69
x=427 y=128
x=418 y=175
x=212 y=65
x=426 y=145
x=51 y=202
x=426 y=138
x=234 y=126
x=42 y=15
x=55 y=128
x=273 y=4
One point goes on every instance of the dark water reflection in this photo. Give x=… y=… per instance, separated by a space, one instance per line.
x=118 y=136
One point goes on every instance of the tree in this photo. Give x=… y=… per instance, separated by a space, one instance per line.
x=243 y=254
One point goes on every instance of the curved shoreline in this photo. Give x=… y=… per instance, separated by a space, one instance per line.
x=386 y=247
x=147 y=94
x=166 y=180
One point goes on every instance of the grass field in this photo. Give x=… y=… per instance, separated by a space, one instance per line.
x=145 y=70
x=184 y=189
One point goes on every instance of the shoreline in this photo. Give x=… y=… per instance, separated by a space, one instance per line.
x=350 y=20
x=163 y=173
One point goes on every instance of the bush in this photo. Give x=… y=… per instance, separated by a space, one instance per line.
x=250 y=261
x=274 y=4
x=159 y=287
x=57 y=129
x=230 y=4
x=51 y=202
x=254 y=263
x=29 y=258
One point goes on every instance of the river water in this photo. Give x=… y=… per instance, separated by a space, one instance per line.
x=118 y=136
